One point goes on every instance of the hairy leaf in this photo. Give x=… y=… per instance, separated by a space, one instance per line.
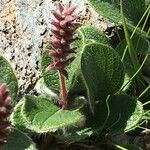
x=43 y=116
x=119 y=113
x=17 y=118
x=102 y=71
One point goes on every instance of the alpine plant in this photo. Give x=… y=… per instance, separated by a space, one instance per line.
x=63 y=34
x=5 y=111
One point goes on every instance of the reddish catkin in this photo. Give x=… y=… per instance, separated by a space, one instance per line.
x=63 y=30
x=5 y=111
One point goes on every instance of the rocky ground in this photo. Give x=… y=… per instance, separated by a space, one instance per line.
x=23 y=24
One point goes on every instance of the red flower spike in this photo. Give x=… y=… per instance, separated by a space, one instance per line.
x=5 y=111
x=64 y=26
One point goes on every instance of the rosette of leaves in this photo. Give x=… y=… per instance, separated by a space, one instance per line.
x=98 y=70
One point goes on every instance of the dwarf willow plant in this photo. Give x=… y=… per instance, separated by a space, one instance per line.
x=88 y=86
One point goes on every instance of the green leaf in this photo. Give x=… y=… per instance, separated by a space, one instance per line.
x=93 y=34
x=133 y=9
x=51 y=78
x=102 y=71
x=120 y=113
x=8 y=77
x=43 y=116
x=135 y=118
x=88 y=34
x=19 y=141
x=17 y=118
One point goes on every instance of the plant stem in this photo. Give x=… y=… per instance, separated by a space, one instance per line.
x=63 y=91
